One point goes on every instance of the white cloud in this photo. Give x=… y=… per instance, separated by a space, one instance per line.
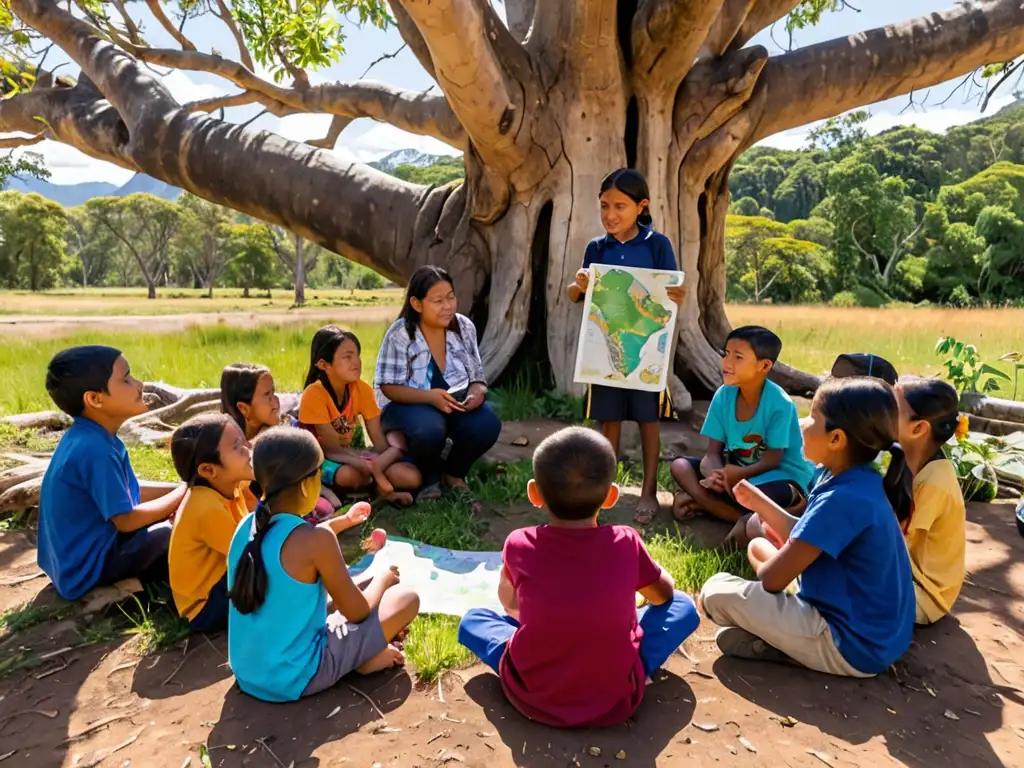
x=360 y=143
x=937 y=120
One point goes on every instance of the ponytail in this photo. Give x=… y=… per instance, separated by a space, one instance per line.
x=282 y=458
x=899 y=485
x=249 y=590
x=936 y=402
x=325 y=345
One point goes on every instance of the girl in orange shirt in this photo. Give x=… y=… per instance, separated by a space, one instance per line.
x=211 y=455
x=334 y=399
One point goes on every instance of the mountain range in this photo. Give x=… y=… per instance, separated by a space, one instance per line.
x=72 y=195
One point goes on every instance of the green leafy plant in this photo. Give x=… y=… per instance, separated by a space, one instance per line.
x=974 y=462
x=1017 y=358
x=965 y=369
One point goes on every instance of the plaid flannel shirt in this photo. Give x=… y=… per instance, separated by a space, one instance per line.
x=407 y=363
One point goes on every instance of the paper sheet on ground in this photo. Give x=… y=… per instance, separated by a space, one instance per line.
x=626 y=336
x=448 y=581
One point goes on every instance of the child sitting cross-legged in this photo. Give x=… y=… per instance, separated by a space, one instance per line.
x=211 y=455
x=334 y=398
x=570 y=652
x=96 y=525
x=753 y=434
x=854 y=612
x=297 y=623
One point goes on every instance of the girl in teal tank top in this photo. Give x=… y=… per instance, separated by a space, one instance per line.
x=297 y=623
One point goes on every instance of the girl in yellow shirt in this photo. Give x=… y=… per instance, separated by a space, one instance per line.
x=934 y=521
x=211 y=454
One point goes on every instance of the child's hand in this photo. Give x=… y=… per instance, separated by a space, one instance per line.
x=582 y=279
x=747 y=494
x=676 y=294
x=715 y=482
x=391 y=577
x=376 y=541
x=359 y=513
x=731 y=475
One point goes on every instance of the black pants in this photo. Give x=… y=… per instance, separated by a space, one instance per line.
x=784 y=493
x=141 y=554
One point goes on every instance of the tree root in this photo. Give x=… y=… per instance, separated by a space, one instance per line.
x=21 y=497
x=40 y=420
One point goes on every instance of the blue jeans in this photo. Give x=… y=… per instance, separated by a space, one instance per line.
x=486 y=633
x=426 y=429
x=142 y=554
x=214 y=615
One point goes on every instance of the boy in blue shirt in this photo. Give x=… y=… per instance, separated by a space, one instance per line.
x=96 y=526
x=753 y=434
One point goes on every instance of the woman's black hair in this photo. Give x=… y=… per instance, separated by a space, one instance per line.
x=282 y=457
x=936 y=402
x=633 y=185
x=197 y=442
x=238 y=383
x=422 y=280
x=325 y=345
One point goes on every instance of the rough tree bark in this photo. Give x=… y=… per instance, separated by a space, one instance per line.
x=542 y=109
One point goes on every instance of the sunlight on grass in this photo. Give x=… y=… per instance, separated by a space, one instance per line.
x=153 y=464
x=27 y=616
x=433 y=646
x=155 y=623
x=691 y=567
x=446 y=523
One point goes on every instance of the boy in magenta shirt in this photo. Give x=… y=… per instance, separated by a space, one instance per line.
x=571 y=651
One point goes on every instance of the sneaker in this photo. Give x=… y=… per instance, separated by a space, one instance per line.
x=740 y=644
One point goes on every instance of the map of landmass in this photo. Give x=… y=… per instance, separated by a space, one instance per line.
x=627 y=314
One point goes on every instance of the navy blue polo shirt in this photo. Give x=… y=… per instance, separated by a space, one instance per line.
x=648 y=250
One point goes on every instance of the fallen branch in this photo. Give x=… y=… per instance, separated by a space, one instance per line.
x=372 y=704
x=47 y=713
x=100 y=755
x=95 y=727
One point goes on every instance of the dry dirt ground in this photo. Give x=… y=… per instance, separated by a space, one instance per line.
x=957 y=699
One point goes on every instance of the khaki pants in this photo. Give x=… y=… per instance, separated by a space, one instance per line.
x=783 y=621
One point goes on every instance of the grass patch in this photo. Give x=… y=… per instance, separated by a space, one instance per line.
x=690 y=566
x=518 y=402
x=433 y=646
x=501 y=483
x=153 y=464
x=631 y=474
x=444 y=523
x=155 y=622
x=15 y=440
x=26 y=616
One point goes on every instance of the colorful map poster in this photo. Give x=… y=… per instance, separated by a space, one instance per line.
x=628 y=321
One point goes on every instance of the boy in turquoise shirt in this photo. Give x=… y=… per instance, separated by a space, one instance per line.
x=96 y=526
x=753 y=434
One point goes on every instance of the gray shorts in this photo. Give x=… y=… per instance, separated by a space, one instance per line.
x=348 y=646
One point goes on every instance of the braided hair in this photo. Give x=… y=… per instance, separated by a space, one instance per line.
x=282 y=458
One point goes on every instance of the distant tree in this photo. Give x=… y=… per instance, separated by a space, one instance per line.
x=198 y=244
x=144 y=225
x=815 y=230
x=841 y=134
x=1002 y=262
x=251 y=258
x=32 y=236
x=444 y=171
x=92 y=246
x=745 y=206
x=298 y=256
x=800 y=192
x=952 y=261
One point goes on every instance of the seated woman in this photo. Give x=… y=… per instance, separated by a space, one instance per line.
x=430 y=385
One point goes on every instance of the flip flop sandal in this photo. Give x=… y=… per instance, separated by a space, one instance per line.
x=430 y=492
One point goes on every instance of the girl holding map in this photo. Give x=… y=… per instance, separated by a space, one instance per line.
x=629 y=241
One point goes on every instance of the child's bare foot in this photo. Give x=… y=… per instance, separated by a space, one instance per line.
x=738 y=537
x=384 y=486
x=389 y=658
x=685 y=507
x=375 y=542
x=646 y=509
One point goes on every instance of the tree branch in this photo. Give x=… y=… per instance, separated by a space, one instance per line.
x=726 y=26
x=223 y=102
x=14 y=142
x=338 y=124
x=224 y=14
x=827 y=79
x=666 y=38
x=158 y=13
x=761 y=16
x=473 y=54
x=419 y=113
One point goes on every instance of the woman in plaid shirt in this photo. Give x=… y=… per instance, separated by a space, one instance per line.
x=431 y=387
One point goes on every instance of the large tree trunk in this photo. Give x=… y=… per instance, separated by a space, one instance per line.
x=300 y=271
x=543 y=108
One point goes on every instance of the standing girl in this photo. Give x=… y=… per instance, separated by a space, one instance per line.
x=286 y=639
x=334 y=398
x=630 y=242
x=934 y=521
x=431 y=386
x=854 y=612
x=211 y=455
x=247 y=396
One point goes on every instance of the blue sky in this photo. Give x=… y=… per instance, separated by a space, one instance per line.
x=367 y=140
